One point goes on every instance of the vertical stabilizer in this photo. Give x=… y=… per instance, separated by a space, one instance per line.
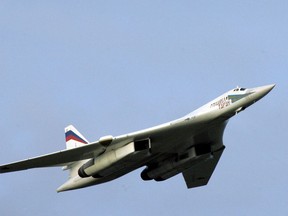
x=74 y=138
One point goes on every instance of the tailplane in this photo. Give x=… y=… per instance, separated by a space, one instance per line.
x=74 y=138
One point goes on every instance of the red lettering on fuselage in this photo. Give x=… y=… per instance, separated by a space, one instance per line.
x=222 y=103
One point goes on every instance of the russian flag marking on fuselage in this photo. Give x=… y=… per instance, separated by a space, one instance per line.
x=70 y=135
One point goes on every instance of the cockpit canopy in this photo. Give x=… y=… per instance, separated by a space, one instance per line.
x=239 y=89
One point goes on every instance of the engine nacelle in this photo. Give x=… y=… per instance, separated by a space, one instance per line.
x=105 y=161
x=174 y=166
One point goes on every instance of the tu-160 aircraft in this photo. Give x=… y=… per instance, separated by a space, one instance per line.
x=191 y=145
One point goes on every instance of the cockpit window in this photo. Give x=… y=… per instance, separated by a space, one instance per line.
x=239 y=89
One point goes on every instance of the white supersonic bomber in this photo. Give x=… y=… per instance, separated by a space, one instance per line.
x=191 y=145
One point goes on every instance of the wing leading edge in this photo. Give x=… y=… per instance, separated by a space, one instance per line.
x=60 y=158
x=199 y=174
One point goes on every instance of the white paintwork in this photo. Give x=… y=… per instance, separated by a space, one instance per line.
x=191 y=145
x=106 y=140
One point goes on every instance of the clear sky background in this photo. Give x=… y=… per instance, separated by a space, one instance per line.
x=112 y=67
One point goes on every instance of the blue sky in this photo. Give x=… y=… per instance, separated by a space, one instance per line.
x=112 y=67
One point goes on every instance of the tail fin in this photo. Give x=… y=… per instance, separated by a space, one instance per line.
x=74 y=138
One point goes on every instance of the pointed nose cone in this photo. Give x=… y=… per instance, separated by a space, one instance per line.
x=260 y=92
x=265 y=89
